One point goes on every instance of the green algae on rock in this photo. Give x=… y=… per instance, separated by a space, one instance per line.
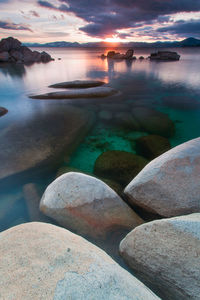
x=120 y=166
x=151 y=146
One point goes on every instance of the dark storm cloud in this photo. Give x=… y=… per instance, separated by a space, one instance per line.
x=183 y=28
x=105 y=17
x=13 y=26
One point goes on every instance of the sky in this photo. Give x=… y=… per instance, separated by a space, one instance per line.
x=99 y=20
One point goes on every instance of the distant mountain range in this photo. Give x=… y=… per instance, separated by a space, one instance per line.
x=189 y=42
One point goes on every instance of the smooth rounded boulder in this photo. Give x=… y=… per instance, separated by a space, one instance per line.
x=169 y=185
x=166 y=255
x=43 y=261
x=87 y=206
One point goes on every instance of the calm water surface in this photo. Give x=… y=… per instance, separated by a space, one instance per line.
x=143 y=82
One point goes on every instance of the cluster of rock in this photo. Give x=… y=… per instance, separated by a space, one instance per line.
x=78 y=89
x=116 y=55
x=164 y=253
x=11 y=50
x=164 y=55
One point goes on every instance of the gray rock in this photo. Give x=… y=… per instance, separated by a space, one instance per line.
x=78 y=93
x=87 y=206
x=42 y=261
x=78 y=84
x=4 y=56
x=42 y=141
x=169 y=185
x=105 y=115
x=126 y=120
x=165 y=253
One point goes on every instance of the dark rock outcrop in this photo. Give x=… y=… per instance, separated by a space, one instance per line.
x=79 y=84
x=116 y=55
x=11 y=50
x=3 y=111
x=164 y=55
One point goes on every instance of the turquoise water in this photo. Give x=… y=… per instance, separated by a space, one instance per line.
x=140 y=83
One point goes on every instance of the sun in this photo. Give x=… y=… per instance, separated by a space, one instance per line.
x=113 y=40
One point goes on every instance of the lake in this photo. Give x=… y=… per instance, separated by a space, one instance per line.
x=169 y=87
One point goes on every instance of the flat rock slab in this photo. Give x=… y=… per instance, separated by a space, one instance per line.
x=42 y=261
x=3 y=111
x=42 y=140
x=79 y=93
x=165 y=253
x=78 y=84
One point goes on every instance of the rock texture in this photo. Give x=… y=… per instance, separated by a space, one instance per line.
x=78 y=84
x=153 y=121
x=166 y=253
x=164 y=55
x=87 y=206
x=42 y=141
x=42 y=261
x=3 y=111
x=116 y=55
x=78 y=93
x=151 y=146
x=120 y=166
x=11 y=50
x=169 y=185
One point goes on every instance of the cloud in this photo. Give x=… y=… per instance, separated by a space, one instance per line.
x=34 y=13
x=106 y=17
x=13 y=26
x=183 y=28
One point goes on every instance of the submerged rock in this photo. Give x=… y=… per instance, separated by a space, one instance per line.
x=87 y=206
x=165 y=254
x=151 y=146
x=11 y=50
x=169 y=185
x=78 y=84
x=3 y=111
x=42 y=141
x=181 y=102
x=42 y=261
x=120 y=166
x=153 y=121
x=78 y=93
x=126 y=120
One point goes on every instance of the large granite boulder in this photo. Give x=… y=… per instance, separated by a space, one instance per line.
x=94 y=92
x=9 y=44
x=166 y=254
x=169 y=185
x=153 y=121
x=120 y=166
x=42 y=261
x=41 y=142
x=78 y=84
x=87 y=206
x=151 y=146
x=164 y=56
x=11 y=50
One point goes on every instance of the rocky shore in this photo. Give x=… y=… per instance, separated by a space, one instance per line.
x=163 y=253
x=12 y=51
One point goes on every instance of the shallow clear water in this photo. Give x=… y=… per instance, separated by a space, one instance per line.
x=140 y=82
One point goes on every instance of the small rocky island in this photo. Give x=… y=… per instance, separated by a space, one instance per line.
x=12 y=51
x=164 y=55
x=116 y=55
